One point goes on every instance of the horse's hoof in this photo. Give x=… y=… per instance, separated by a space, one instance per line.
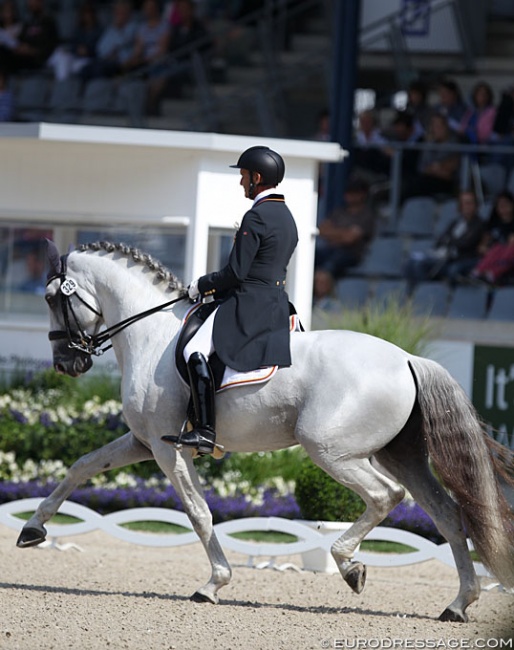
x=453 y=615
x=355 y=577
x=31 y=537
x=198 y=597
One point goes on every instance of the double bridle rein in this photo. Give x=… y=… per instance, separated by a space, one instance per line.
x=79 y=339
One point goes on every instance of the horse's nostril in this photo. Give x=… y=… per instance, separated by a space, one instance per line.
x=59 y=368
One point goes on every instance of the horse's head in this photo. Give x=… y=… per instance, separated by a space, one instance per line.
x=75 y=315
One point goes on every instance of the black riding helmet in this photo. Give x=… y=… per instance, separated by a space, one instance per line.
x=268 y=163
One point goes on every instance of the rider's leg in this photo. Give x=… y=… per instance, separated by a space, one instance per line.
x=196 y=352
x=203 y=436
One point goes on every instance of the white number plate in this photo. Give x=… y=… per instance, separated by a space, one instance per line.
x=69 y=286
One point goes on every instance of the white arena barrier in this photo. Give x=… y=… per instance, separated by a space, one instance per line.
x=309 y=539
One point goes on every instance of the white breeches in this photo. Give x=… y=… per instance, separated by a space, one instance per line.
x=202 y=340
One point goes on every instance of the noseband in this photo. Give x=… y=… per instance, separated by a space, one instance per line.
x=78 y=338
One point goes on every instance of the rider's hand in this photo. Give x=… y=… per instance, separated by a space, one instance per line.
x=192 y=290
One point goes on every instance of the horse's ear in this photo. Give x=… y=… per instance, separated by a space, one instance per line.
x=54 y=258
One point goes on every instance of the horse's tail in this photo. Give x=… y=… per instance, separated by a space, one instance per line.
x=468 y=463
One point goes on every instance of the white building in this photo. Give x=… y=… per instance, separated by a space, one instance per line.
x=171 y=194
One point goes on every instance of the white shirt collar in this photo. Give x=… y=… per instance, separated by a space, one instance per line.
x=264 y=193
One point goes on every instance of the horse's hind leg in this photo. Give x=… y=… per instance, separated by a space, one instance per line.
x=119 y=453
x=380 y=495
x=409 y=464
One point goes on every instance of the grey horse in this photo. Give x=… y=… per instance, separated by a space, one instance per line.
x=364 y=410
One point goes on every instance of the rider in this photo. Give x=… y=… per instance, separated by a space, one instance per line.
x=250 y=327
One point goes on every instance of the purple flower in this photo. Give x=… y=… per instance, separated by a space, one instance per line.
x=45 y=419
x=18 y=416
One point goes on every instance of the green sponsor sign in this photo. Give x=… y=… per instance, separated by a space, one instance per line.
x=493 y=390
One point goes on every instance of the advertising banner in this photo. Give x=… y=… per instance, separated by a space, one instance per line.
x=493 y=390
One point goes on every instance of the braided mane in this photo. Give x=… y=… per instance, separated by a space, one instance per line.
x=160 y=271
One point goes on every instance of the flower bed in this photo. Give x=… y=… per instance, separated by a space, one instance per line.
x=227 y=499
x=55 y=417
x=104 y=500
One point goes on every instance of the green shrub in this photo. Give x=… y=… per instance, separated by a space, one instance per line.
x=392 y=320
x=255 y=468
x=319 y=497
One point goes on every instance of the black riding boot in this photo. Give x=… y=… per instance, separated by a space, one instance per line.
x=203 y=436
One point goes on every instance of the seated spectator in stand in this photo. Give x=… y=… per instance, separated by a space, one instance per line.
x=503 y=128
x=116 y=44
x=403 y=130
x=345 y=234
x=6 y=99
x=451 y=104
x=438 y=168
x=497 y=246
x=324 y=296
x=455 y=252
x=186 y=31
x=35 y=280
x=152 y=38
x=478 y=121
x=368 y=159
x=418 y=107
x=10 y=24
x=71 y=59
x=36 y=41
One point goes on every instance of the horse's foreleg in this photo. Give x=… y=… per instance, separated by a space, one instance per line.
x=180 y=469
x=123 y=451
x=379 y=493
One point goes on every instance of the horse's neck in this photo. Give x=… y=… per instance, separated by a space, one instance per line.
x=125 y=292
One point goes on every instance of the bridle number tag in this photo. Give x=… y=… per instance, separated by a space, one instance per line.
x=69 y=286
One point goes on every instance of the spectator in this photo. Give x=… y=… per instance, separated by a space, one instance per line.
x=187 y=31
x=478 y=121
x=451 y=104
x=418 y=107
x=345 y=234
x=116 y=44
x=503 y=129
x=497 y=246
x=35 y=280
x=455 y=252
x=324 y=296
x=438 y=167
x=6 y=98
x=151 y=38
x=368 y=159
x=10 y=24
x=37 y=40
x=70 y=60
x=403 y=130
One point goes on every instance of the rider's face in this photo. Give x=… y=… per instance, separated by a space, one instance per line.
x=245 y=182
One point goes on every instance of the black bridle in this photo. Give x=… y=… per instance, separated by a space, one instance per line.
x=78 y=338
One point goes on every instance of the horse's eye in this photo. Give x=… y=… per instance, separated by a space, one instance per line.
x=49 y=299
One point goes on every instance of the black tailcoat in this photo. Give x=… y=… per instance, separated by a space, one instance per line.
x=251 y=327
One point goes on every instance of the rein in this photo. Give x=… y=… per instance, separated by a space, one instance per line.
x=80 y=339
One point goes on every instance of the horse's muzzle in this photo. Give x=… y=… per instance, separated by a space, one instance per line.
x=73 y=364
